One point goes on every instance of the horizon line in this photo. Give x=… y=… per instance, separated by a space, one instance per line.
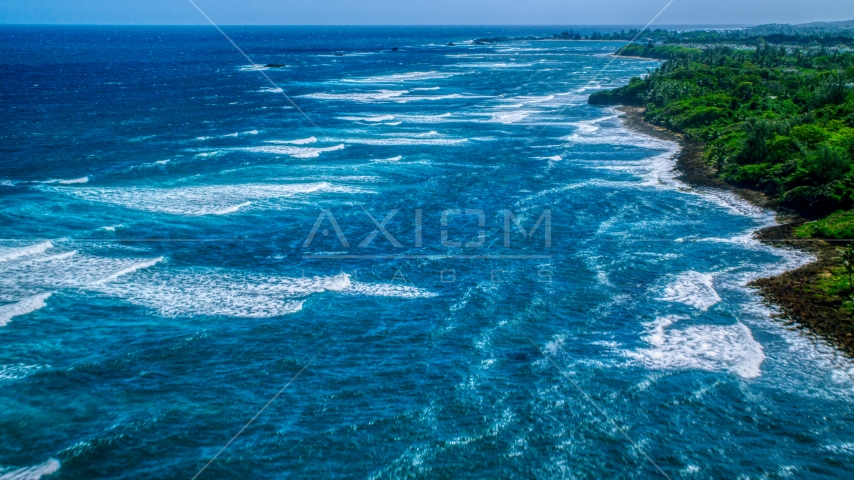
x=709 y=25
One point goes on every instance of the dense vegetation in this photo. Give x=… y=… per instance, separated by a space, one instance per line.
x=828 y=34
x=749 y=37
x=772 y=118
x=809 y=34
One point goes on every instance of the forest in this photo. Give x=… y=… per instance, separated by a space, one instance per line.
x=778 y=119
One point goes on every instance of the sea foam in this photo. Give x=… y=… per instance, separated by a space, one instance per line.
x=225 y=292
x=692 y=288
x=204 y=200
x=32 y=473
x=7 y=254
x=23 y=307
x=704 y=347
x=296 y=152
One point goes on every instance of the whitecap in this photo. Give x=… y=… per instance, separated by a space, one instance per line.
x=127 y=270
x=398 y=141
x=704 y=347
x=7 y=254
x=387 y=290
x=234 y=293
x=443 y=118
x=692 y=288
x=492 y=65
x=31 y=473
x=389 y=160
x=510 y=117
x=296 y=152
x=29 y=282
x=19 y=371
x=397 y=96
x=300 y=141
x=376 y=118
x=74 y=180
x=23 y=307
x=381 y=95
x=232 y=209
x=67 y=182
x=203 y=200
x=401 y=77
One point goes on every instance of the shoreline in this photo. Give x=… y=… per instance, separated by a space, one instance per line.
x=790 y=291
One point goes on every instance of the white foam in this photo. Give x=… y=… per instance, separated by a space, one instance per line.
x=16 y=372
x=706 y=347
x=229 y=135
x=204 y=200
x=492 y=65
x=232 y=209
x=443 y=118
x=75 y=180
x=532 y=98
x=270 y=90
x=397 y=96
x=692 y=288
x=300 y=141
x=510 y=117
x=296 y=152
x=30 y=280
x=376 y=118
x=253 y=68
x=555 y=158
x=7 y=254
x=387 y=290
x=67 y=182
x=32 y=473
x=401 y=141
x=401 y=77
x=127 y=270
x=23 y=307
x=234 y=293
x=389 y=160
x=380 y=95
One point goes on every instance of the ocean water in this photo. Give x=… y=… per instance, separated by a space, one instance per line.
x=179 y=243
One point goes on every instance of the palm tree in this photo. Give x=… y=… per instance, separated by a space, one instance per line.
x=847 y=255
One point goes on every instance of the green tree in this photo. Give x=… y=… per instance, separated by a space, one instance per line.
x=847 y=255
x=827 y=164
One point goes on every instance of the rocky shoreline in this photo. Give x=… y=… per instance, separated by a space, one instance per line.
x=794 y=292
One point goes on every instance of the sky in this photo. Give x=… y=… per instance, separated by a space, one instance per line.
x=424 y=12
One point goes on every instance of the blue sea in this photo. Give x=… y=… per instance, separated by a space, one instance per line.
x=403 y=259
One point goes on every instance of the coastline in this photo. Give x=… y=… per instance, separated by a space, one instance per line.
x=791 y=291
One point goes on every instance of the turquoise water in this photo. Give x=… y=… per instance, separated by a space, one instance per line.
x=169 y=262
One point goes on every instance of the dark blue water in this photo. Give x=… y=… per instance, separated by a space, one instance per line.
x=169 y=262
